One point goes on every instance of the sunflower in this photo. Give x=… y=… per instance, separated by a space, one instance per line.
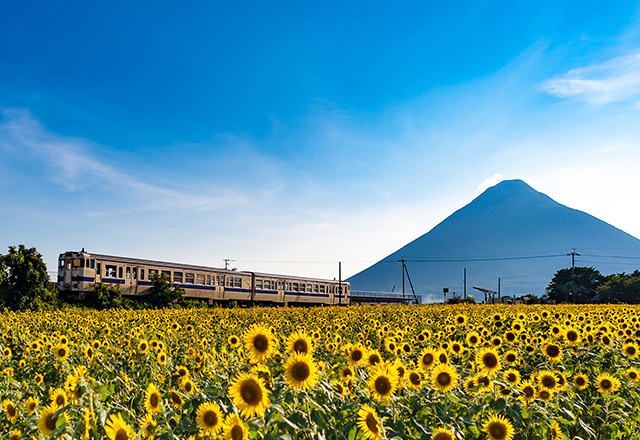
x=14 y=435
x=355 y=355
x=152 y=402
x=473 y=339
x=572 y=336
x=547 y=380
x=175 y=399
x=209 y=418
x=47 y=420
x=301 y=373
x=529 y=391
x=346 y=373
x=443 y=434
x=373 y=358
x=148 y=425
x=143 y=346
x=428 y=358
x=234 y=428
x=607 y=384
x=633 y=374
x=61 y=352
x=460 y=319
x=38 y=379
x=182 y=371
x=552 y=351
x=31 y=404
x=511 y=358
x=299 y=342
x=58 y=397
x=259 y=343
x=498 y=428
x=631 y=350
x=117 y=429
x=10 y=410
x=249 y=394
x=233 y=341
x=444 y=378
x=383 y=382
x=162 y=358
x=488 y=360
x=188 y=386
x=581 y=381
x=512 y=376
x=369 y=423
x=556 y=431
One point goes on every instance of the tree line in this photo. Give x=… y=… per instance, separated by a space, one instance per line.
x=586 y=285
x=25 y=285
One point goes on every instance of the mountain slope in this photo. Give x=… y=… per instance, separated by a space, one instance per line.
x=510 y=231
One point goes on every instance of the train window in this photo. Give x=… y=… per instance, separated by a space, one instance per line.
x=120 y=272
x=309 y=288
x=280 y=285
x=111 y=271
x=189 y=277
x=61 y=263
x=228 y=281
x=321 y=288
x=267 y=285
x=288 y=286
x=142 y=274
x=238 y=282
x=200 y=278
x=295 y=287
x=303 y=287
x=92 y=264
x=86 y=263
x=208 y=280
x=128 y=273
x=168 y=274
x=152 y=273
x=217 y=280
x=258 y=284
x=315 y=288
x=177 y=277
x=68 y=265
x=135 y=273
x=77 y=262
x=331 y=289
x=99 y=269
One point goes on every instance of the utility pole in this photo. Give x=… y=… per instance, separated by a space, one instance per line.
x=226 y=262
x=406 y=271
x=573 y=261
x=498 y=287
x=465 y=283
x=340 y=282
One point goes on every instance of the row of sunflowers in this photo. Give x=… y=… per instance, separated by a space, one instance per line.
x=369 y=372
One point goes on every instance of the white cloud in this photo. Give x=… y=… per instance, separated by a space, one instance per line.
x=489 y=182
x=615 y=80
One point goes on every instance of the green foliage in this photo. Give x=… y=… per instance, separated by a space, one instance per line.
x=579 y=289
x=163 y=294
x=24 y=280
x=104 y=296
x=457 y=299
x=530 y=299
x=620 y=288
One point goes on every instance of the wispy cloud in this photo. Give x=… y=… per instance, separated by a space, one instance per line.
x=615 y=80
x=489 y=182
x=74 y=165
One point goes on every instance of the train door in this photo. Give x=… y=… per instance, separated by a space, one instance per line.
x=68 y=277
x=98 y=278
x=130 y=283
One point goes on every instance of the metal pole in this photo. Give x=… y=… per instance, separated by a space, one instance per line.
x=340 y=282
x=465 y=282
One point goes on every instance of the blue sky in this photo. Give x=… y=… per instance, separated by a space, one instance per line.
x=290 y=136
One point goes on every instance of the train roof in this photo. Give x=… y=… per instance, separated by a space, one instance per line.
x=173 y=265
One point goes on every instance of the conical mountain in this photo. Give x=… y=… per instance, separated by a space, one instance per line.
x=511 y=232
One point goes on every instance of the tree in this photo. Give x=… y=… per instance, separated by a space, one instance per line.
x=104 y=296
x=620 y=288
x=24 y=280
x=162 y=293
x=579 y=289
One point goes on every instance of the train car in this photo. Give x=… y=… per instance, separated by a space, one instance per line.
x=79 y=271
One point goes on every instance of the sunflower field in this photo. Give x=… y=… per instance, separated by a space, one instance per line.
x=369 y=372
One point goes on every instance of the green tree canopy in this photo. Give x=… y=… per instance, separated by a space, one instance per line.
x=579 y=289
x=24 y=279
x=620 y=288
x=162 y=293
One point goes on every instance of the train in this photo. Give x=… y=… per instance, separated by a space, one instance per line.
x=78 y=272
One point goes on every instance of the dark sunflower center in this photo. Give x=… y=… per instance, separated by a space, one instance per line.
x=261 y=343
x=442 y=436
x=300 y=346
x=31 y=407
x=633 y=375
x=606 y=341
x=356 y=355
x=511 y=377
x=300 y=371
x=553 y=351
x=251 y=392
x=442 y=358
x=175 y=398
x=497 y=430
x=549 y=381
x=60 y=400
x=153 y=400
x=484 y=381
x=187 y=387
x=606 y=384
x=210 y=418
x=631 y=350
x=528 y=391
x=444 y=379
x=473 y=339
x=490 y=360
x=372 y=423
x=511 y=357
x=347 y=372
x=460 y=320
x=11 y=410
x=50 y=422
x=382 y=385
x=580 y=381
x=374 y=359
x=414 y=378
x=236 y=433
x=427 y=359
x=62 y=352
x=545 y=394
x=572 y=336
x=121 y=435
x=234 y=341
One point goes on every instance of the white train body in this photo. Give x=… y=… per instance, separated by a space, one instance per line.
x=79 y=271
